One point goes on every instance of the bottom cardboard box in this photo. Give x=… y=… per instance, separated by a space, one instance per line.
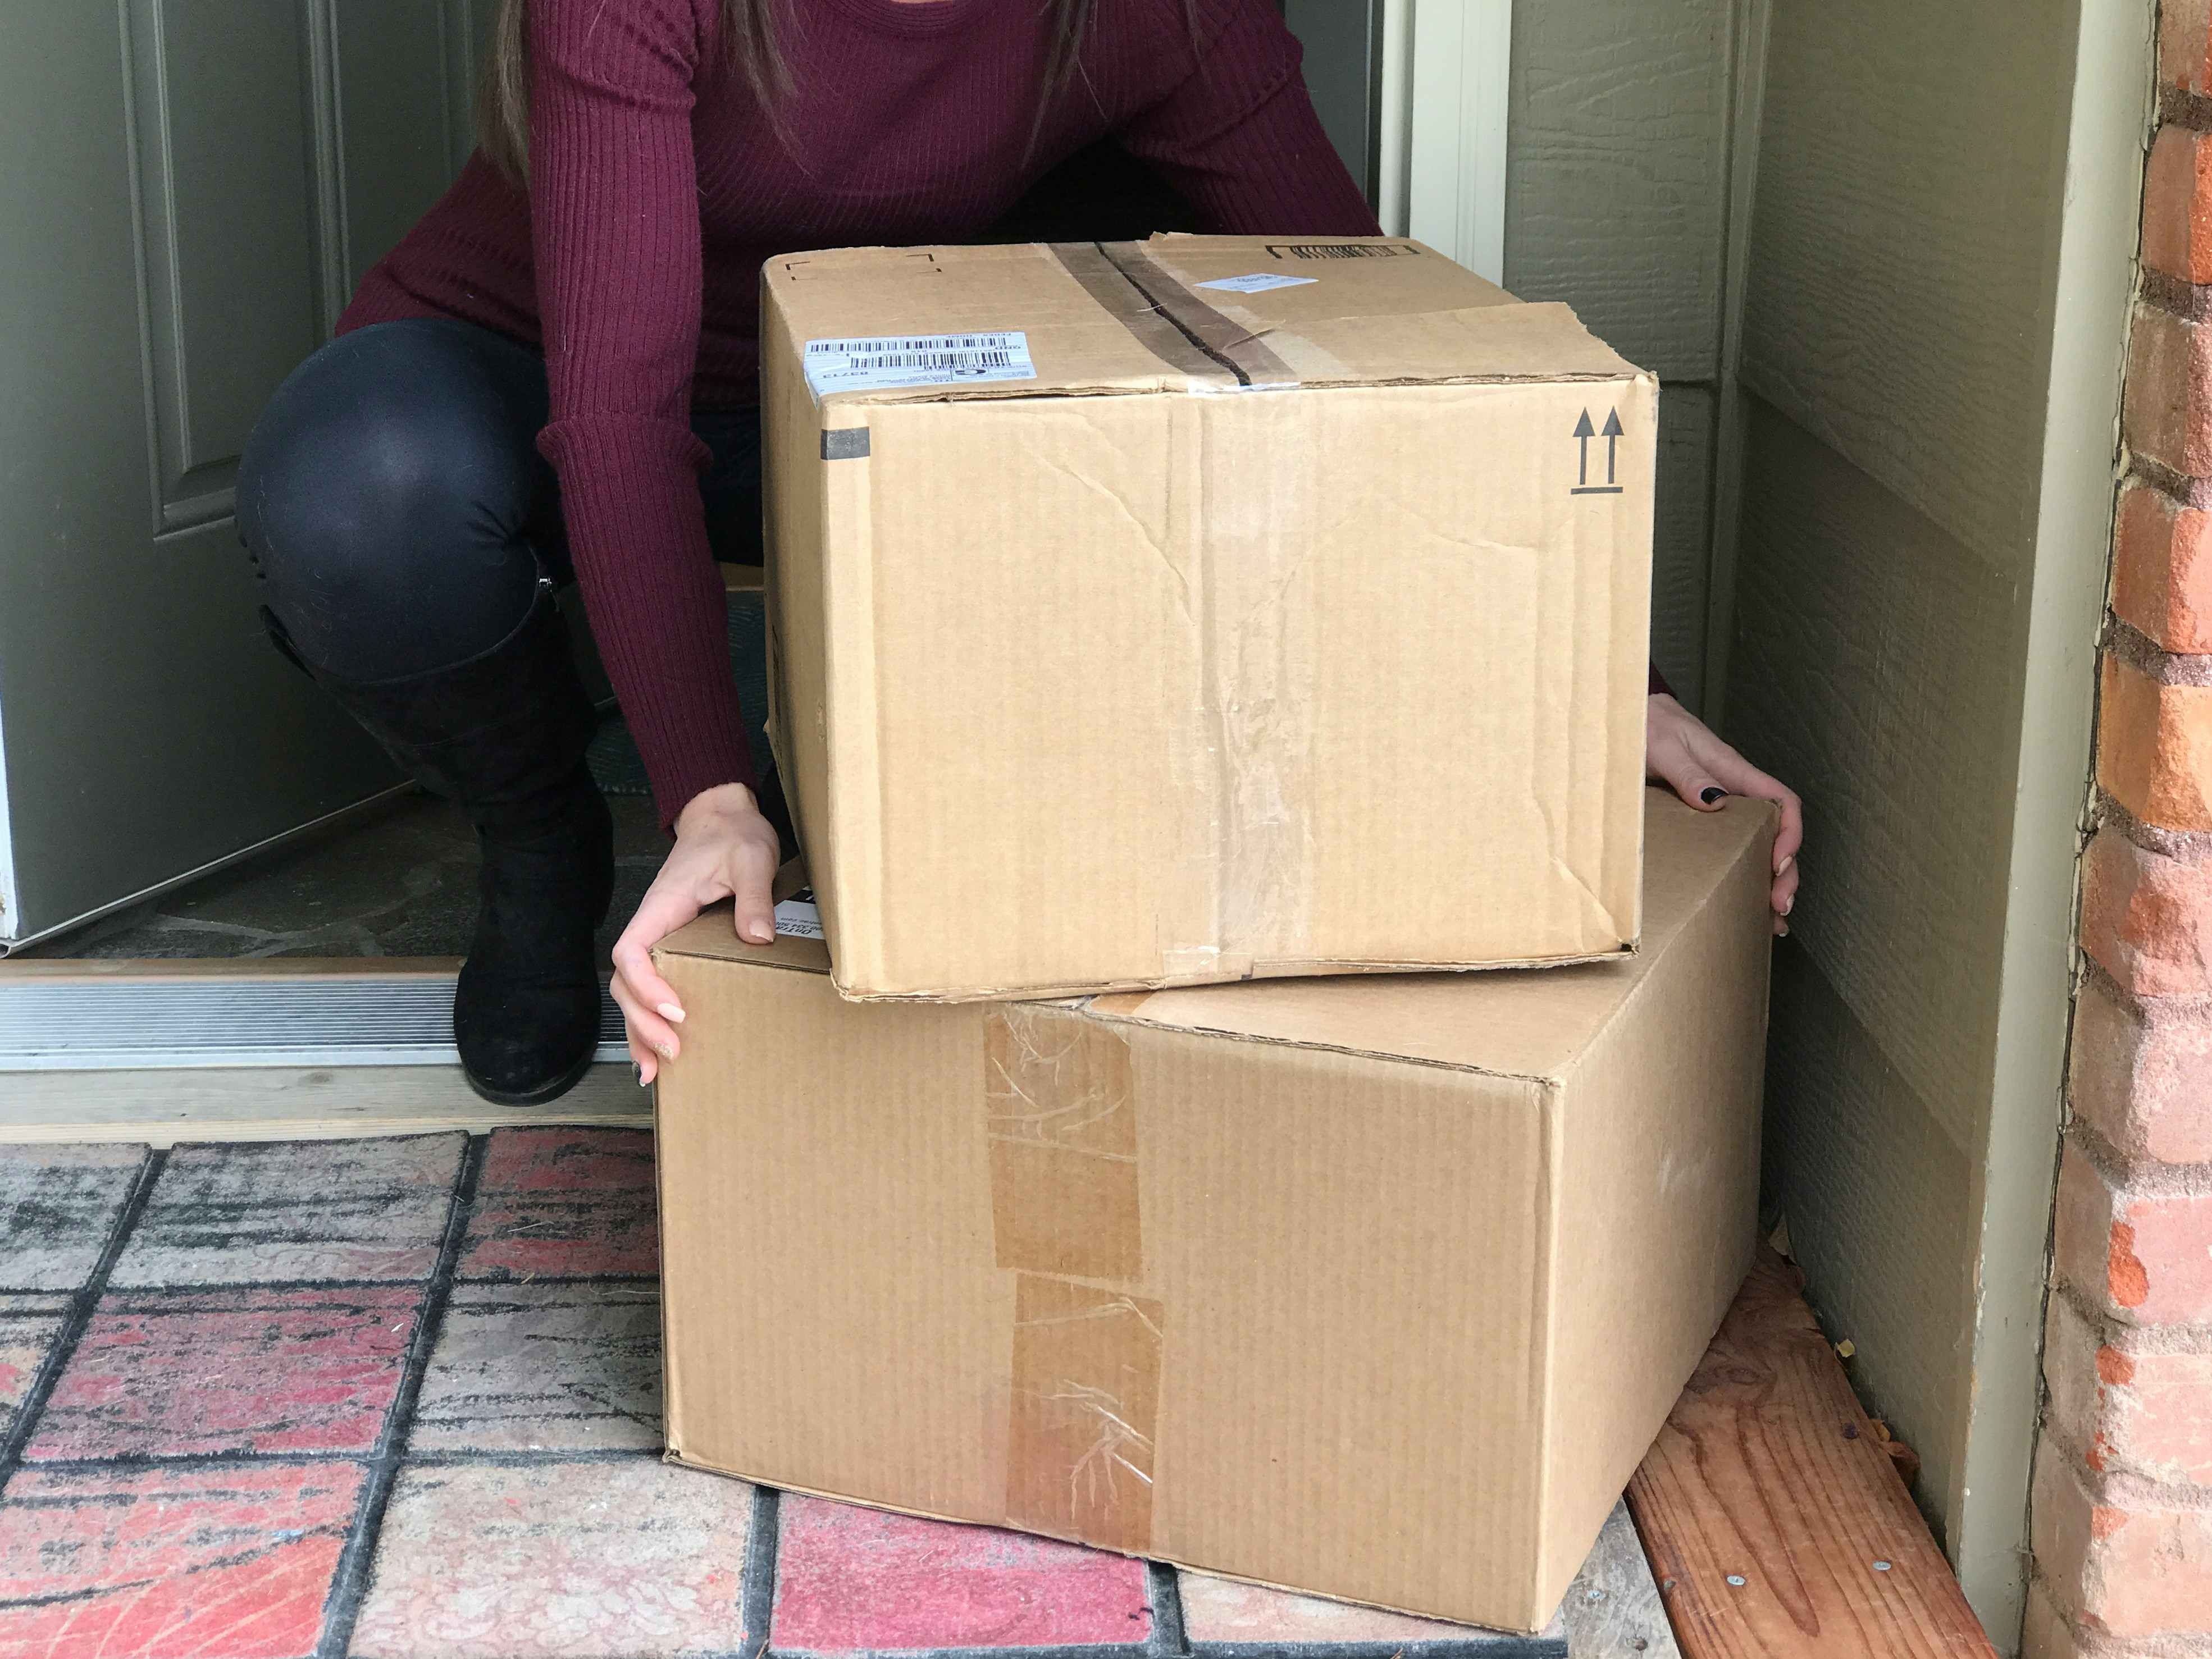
x=1376 y=1288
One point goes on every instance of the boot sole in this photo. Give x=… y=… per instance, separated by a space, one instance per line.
x=540 y=1095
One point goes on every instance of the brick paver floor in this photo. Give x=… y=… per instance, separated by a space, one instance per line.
x=387 y=1398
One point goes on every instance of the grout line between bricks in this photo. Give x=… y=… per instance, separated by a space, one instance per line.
x=1164 y=1591
x=82 y=1301
x=139 y=1461
x=349 y=1583
x=757 y=1596
x=212 y=1287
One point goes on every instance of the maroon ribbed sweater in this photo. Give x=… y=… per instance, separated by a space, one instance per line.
x=659 y=187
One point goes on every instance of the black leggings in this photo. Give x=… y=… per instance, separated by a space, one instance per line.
x=397 y=509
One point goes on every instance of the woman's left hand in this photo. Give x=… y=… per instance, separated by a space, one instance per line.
x=1681 y=752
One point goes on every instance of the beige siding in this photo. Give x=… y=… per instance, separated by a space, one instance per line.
x=1896 y=358
x=1616 y=194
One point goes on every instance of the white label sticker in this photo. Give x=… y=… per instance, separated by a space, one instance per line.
x=799 y=916
x=1259 y=282
x=860 y=365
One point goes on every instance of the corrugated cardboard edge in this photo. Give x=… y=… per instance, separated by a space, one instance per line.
x=1277 y=969
x=671 y=1455
x=1546 y=1352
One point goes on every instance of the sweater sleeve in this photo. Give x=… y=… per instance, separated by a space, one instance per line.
x=1238 y=137
x=615 y=228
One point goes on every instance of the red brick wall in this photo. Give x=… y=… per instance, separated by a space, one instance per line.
x=2122 y=1516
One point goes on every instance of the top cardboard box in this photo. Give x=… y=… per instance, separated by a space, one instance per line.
x=1152 y=614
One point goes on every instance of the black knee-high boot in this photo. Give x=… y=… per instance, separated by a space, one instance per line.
x=503 y=737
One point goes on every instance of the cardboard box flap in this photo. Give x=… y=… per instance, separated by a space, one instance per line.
x=714 y=937
x=1079 y=338
x=1405 y=315
x=1523 y=1023
x=1087 y=318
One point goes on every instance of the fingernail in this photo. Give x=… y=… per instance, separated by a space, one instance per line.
x=1789 y=904
x=664 y=1051
x=637 y=1071
x=1783 y=931
x=1783 y=868
x=669 y=1011
x=1711 y=793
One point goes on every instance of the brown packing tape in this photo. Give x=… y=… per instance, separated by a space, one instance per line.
x=1085 y=1412
x=1102 y=280
x=1060 y=1114
x=1229 y=345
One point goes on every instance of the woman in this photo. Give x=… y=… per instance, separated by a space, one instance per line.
x=555 y=374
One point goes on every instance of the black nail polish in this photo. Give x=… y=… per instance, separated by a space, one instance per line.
x=637 y=1071
x=1711 y=793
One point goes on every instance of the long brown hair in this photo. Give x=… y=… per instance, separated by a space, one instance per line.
x=750 y=46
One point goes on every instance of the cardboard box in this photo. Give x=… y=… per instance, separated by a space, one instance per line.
x=1195 y=633
x=1373 y=1287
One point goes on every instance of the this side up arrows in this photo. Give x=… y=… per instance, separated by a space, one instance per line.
x=1611 y=432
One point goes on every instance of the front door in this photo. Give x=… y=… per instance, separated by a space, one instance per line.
x=192 y=189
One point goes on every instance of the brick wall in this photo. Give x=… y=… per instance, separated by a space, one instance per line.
x=2121 y=1511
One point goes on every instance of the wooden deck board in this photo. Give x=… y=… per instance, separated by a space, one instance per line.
x=1774 y=1520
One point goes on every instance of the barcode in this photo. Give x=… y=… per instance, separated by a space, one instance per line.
x=1338 y=250
x=912 y=342
x=866 y=363
x=954 y=361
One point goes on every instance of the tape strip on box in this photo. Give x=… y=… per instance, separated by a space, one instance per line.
x=1229 y=345
x=1063 y=1138
x=1084 y=1398
x=1085 y=1412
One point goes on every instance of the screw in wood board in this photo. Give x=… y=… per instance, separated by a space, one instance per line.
x=1736 y=1579
x=1882 y=1566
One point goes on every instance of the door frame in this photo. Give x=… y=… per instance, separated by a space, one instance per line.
x=1445 y=80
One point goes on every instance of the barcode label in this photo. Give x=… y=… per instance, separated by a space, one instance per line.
x=1340 y=250
x=798 y=917
x=1259 y=282
x=900 y=360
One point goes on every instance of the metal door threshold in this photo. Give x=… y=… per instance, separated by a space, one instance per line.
x=361 y=1019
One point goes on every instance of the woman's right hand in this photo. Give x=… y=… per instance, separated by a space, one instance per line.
x=725 y=849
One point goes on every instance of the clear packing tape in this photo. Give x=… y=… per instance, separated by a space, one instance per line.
x=1244 y=473
x=1084 y=1395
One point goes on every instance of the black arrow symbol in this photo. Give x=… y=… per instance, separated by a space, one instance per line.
x=1584 y=431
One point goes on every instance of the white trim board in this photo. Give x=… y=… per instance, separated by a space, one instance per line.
x=1461 y=70
x=1447 y=76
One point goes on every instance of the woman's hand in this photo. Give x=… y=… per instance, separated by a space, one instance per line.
x=724 y=849
x=1681 y=752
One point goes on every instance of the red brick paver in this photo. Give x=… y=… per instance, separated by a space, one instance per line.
x=564 y=1204
x=230 y=1563
x=562 y=1367
x=1221 y=1610
x=851 y=1580
x=275 y=1212
x=58 y=1207
x=625 y=1556
x=274 y=1372
x=29 y=1327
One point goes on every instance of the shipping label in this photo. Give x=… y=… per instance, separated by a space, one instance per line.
x=907 y=360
